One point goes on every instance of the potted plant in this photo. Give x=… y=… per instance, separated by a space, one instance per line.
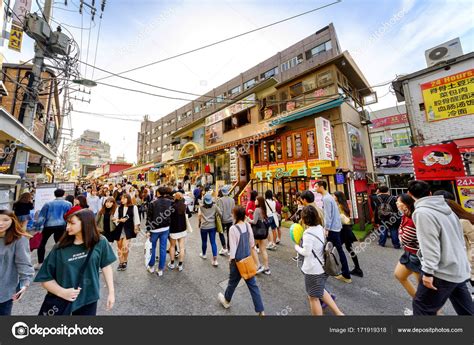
x=285 y=212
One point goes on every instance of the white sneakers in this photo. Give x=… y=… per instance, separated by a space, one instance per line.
x=171 y=266
x=202 y=256
x=223 y=301
x=224 y=252
x=159 y=273
x=215 y=263
x=37 y=266
x=260 y=269
x=151 y=269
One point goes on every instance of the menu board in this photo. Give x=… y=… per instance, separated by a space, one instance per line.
x=310 y=140
x=233 y=165
x=44 y=193
x=289 y=147
x=279 y=149
x=298 y=146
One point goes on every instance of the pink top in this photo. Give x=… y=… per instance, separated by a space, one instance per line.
x=250 y=209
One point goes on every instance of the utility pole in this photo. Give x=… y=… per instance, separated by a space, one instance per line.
x=28 y=110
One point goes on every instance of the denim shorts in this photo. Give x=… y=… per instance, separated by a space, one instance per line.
x=411 y=261
x=271 y=223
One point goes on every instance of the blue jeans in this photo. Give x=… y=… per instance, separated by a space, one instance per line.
x=6 y=307
x=212 y=238
x=163 y=237
x=393 y=234
x=234 y=279
x=335 y=238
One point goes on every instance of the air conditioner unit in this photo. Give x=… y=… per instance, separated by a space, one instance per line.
x=443 y=52
x=364 y=115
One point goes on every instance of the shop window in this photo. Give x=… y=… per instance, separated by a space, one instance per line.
x=264 y=151
x=325 y=78
x=197 y=109
x=377 y=140
x=220 y=98
x=401 y=137
x=235 y=90
x=311 y=143
x=289 y=147
x=272 y=154
x=236 y=121
x=279 y=149
x=283 y=97
x=269 y=107
x=299 y=153
x=270 y=73
x=309 y=84
x=296 y=90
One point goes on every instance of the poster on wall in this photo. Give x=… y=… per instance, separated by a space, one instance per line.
x=356 y=148
x=449 y=97
x=465 y=187
x=44 y=193
x=324 y=139
x=437 y=162
x=214 y=134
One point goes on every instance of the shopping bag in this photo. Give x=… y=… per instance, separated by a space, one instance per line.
x=147 y=252
x=189 y=228
x=219 y=227
x=35 y=241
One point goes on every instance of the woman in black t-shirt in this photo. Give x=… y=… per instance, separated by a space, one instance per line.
x=104 y=219
x=22 y=209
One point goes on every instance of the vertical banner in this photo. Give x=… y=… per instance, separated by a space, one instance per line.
x=466 y=192
x=21 y=8
x=356 y=148
x=324 y=139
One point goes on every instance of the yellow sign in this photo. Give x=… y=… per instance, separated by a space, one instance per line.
x=466 y=192
x=295 y=165
x=448 y=97
x=16 y=37
x=313 y=163
x=260 y=168
x=275 y=167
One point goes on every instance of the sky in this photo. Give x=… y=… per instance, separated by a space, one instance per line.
x=386 y=38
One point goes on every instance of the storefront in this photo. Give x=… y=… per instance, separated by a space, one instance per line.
x=140 y=174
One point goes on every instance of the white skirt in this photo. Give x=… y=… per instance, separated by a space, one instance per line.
x=178 y=235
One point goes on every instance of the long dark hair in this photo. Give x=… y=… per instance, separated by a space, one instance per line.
x=341 y=200
x=269 y=194
x=129 y=200
x=90 y=233
x=82 y=201
x=253 y=195
x=408 y=201
x=261 y=205
x=459 y=211
x=15 y=231
x=112 y=209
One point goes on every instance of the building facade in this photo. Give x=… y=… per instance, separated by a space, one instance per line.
x=282 y=125
x=86 y=153
x=440 y=108
x=390 y=136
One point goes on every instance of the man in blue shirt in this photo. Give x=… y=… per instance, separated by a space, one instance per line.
x=333 y=226
x=51 y=222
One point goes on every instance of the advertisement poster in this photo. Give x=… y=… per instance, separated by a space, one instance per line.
x=448 y=97
x=437 y=162
x=357 y=151
x=44 y=193
x=466 y=192
x=324 y=139
x=389 y=121
x=214 y=134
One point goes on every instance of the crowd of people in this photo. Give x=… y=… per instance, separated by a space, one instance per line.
x=434 y=232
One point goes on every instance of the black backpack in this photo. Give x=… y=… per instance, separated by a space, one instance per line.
x=384 y=209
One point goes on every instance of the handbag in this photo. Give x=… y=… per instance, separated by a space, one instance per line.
x=55 y=305
x=189 y=228
x=260 y=230
x=345 y=220
x=35 y=241
x=246 y=266
x=219 y=227
x=274 y=215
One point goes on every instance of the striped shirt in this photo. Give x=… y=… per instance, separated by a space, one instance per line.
x=407 y=232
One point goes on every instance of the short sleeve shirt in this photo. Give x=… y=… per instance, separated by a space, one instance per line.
x=63 y=266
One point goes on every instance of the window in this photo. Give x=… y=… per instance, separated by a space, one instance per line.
x=279 y=149
x=220 y=98
x=153 y=140
x=248 y=84
x=271 y=151
x=401 y=137
x=152 y=151
x=166 y=135
x=236 y=121
x=377 y=140
x=283 y=97
x=292 y=63
x=234 y=91
x=298 y=146
x=269 y=73
x=159 y=127
x=208 y=104
x=269 y=107
x=296 y=90
x=318 y=49
x=158 y=149
x=325 y=78
x=159 y=138
x=311 y=143
x=309 y=84
x=289 y=147
x=197 y=109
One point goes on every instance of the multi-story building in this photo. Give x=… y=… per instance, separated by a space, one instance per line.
x=43 y=141
x=294 y=118
x=86 y=153
x=440 y=107
x=390 y=136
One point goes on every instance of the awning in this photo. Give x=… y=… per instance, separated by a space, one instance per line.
x=251 y=139
x=13 y=132
x=306 y=112
x=465 y=145
x=182 y=161
x=138 y=168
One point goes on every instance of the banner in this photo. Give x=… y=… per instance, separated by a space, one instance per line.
x=16 y=38
x=214 y=133
x=437 y=162
x=356 y=148
x=389 y=120
x=448 y=97
x=19 y=12
x=324 y=139
x=466 y=192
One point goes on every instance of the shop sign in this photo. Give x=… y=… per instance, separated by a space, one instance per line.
x=280 y=173
x=324 y=139
x=394 y=161
x=466 y=192
x=449 y=97
x=437 y=162
x=235 y=108
x=340 y=178
x=214 y=133
x=268 y=112
x=233 y=164
x=389 y=121
x=16 y=38
x=290 y=106
x=356 y=148
x=260 y=168
x=312 y=163
x=275 y=167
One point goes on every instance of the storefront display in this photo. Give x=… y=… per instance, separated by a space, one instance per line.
x=437 y=162
x=356 y=149
x=465 y=187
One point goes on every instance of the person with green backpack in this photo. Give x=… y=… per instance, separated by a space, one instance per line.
x=313 y=251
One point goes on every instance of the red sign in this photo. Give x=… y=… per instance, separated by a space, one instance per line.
x=437 y=162
x=290 y=106
x=389 y=120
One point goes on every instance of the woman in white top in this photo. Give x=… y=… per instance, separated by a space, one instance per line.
x=313 y=252
x=272 y=218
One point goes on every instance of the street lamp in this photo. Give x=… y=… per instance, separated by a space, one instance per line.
x=85 y=82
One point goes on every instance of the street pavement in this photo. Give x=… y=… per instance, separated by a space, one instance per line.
x=194 y=290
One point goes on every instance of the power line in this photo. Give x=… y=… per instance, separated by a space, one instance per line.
x=105 y=117
x=107 y=114
x=97 y=45
x=221 y=41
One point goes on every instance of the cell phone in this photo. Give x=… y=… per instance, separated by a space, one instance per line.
x=126 y=216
